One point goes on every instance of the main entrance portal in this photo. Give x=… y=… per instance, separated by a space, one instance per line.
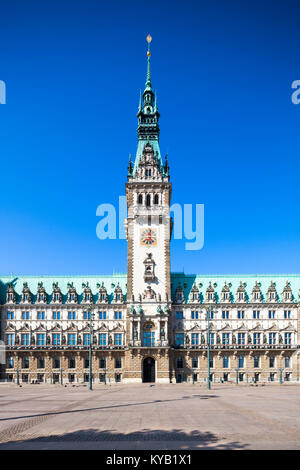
x=149 y=369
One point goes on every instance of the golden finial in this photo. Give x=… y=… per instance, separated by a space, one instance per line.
x=148 y=39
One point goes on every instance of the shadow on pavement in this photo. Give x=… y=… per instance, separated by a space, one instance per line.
x=174 y=438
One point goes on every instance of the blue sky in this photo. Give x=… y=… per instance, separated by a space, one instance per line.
x=223 y=72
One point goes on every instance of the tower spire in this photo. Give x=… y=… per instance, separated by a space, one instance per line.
x=148 y=78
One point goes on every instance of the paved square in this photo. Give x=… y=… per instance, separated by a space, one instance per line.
x=150 y=416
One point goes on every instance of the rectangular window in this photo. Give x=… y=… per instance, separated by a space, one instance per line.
x=212 y=338
x=25 y=339
x=118 y=315
x=72 y=339
x=256 y=338
x=287 y=361
x=256 y=361
x=102 y=363
x=118 y=363
x=271 y=314
x=56 y=363
x=272 y=361
x=287 y=338
x=179 y=315
x=71 y=315
x=10 y=339
x=179 y=339
x=25 y=363
x=41 y=315
x=225 y=314
x=118 y=339
x=225 y=338
x=41 y=341
x=102 y=339
x=102 y=315
x=87 y=315
x=195 y=315
x=41 y=363
x=272 y=338
x=86 y=339
x=56 y=339
x=225 y=362
x=287 y=314
x=195 y=362
x=211 y=362
x=241 y=314
x=256 y=314
x=241 y=362
x=10 y=315
x=241 y=338
x=195 y=339
x=56 y=315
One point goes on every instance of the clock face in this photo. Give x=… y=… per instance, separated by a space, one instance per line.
x=148 y=237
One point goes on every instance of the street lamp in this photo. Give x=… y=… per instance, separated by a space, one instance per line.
x=209 y=310
x=61 y=376
x=18 y=376
x=91 y=308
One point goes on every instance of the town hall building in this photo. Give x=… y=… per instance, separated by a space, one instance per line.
x=150 y=325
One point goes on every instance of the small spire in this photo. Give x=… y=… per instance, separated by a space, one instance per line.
x=148 y=80
x=155 y=103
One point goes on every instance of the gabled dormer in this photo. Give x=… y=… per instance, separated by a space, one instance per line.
x=41 y=294
x=241 y=293
x=210 y=294
x=11 y=295
x=194 y=294
x=26 y=294
x=118 y=295
x=287 y=294
x=102 y=298
x=56 y=294
x=225 y=294
x=72 y=294
x=87 y=293
x=179 y=294
x=256 y=293
x=272 y=294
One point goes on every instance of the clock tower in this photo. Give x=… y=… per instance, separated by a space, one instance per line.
x=148 y=225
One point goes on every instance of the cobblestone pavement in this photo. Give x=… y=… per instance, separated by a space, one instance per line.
x=149 y=416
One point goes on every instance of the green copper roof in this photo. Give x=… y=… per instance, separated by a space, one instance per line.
x=186 y=281
x=110 y=283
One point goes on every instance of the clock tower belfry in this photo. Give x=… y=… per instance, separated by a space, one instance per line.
x=148 y=225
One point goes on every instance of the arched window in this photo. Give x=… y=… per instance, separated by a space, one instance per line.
x=156 y=199
x=148 y=201
x=140 y=199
